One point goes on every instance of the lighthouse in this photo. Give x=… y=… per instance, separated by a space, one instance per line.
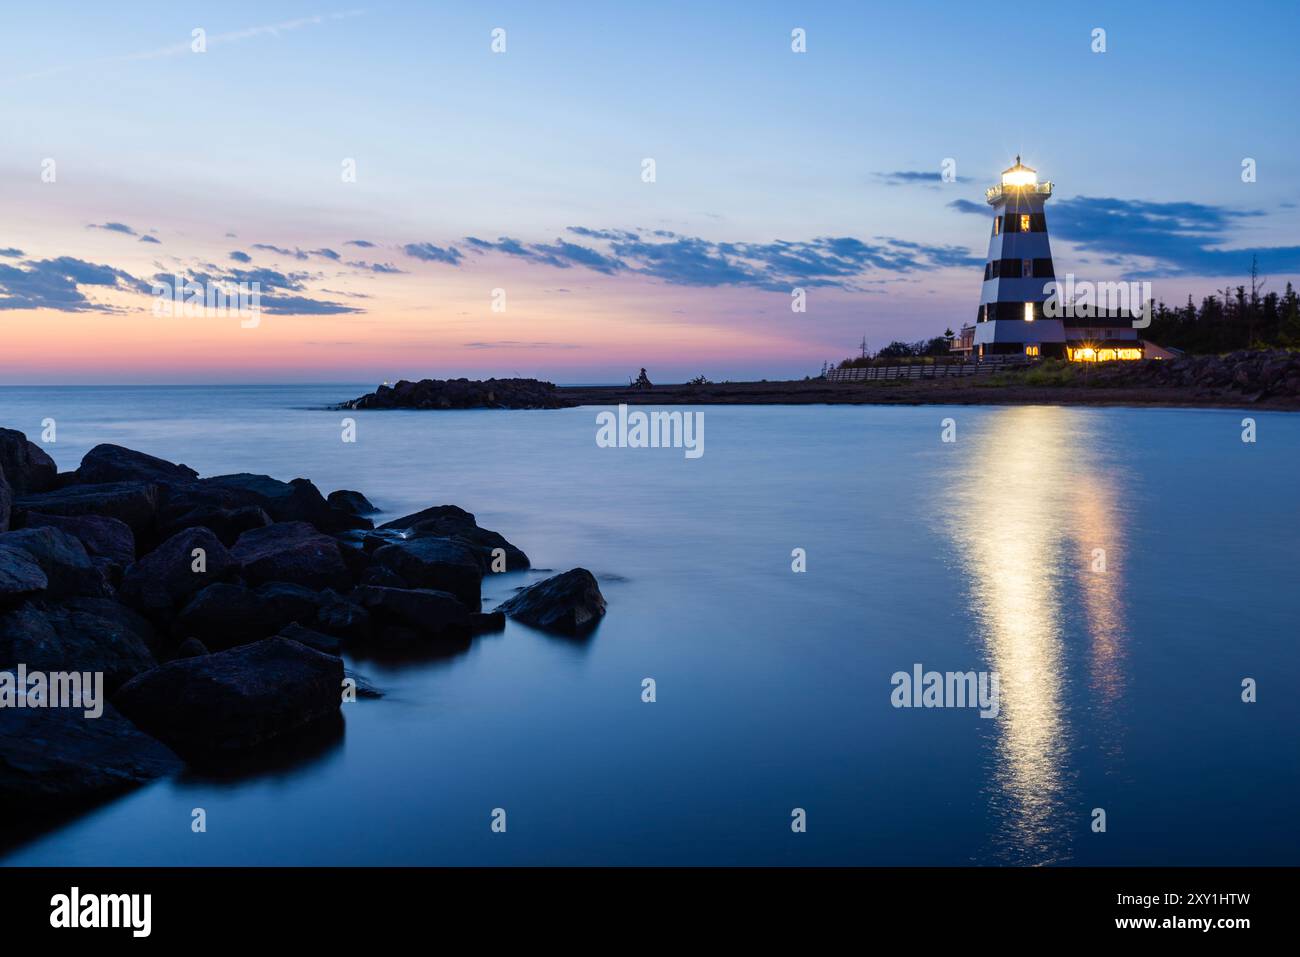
x=1018 y=272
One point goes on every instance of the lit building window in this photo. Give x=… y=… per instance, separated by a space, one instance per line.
x=1029 y=312
x=1031 y=351
x=1024 y=222
x=997 y=225
x=1102 y=353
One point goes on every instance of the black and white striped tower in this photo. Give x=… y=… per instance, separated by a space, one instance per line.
x=1018 y=271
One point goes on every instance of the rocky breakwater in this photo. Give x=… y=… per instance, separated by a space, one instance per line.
x=214 y=611
x=1255 y=376
x=463 y=394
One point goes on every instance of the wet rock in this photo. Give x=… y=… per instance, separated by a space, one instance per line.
x=338 y=616
x=226 y=523
x=6 y=502
x=191 y=648
x=236 y=699
x=355 y=556
x=365 y=687
x=225 y=614
x=26 y=466
x=448 y=521
x=291 y=552
x=569 y=603
x=135 y=503
x=383 y=577
x=373 y=541
x=74 y=637
x=113 y=463
x=68 y=568
x=166 y=577
x=102 y=536
x=20 y=576
x=437 y=563
x=425 y=611
x=328 y=644
x=354 y=503
x=296 y=501
x=52 y=758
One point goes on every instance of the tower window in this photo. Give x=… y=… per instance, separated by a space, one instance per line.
x=1024 y=222
x=1029 y=312
x=997 y=225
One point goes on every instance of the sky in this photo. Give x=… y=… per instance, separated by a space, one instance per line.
x=413 y=203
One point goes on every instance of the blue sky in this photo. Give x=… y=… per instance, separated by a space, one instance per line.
x=521 y=171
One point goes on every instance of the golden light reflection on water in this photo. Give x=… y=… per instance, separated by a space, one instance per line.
x=1030 y=504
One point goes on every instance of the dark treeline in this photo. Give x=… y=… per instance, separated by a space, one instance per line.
x=1241 y=318
x=938 y=346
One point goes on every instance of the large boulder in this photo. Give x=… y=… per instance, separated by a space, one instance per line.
x=296 y=501
x=449 y=521
x=236 y=699
x=354 y=503
x=135 y=503
x=191 y=648
x=224 y=615
x=113 y=463
x=6 y=501
x=20 y=575
x=26 y=466
x=438 y=563
x=102 y=536
x=166 y=577
x=339 y=616
x=76 y=636
x=383 y=577
x=115 y=620
x=312 y=638
x=64 y=560
x=54 y=758
x=227 y=523
x=291 y=552
x=431 y=613
x=570 y=603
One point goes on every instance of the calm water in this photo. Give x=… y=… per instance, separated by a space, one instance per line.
x=1119 y=690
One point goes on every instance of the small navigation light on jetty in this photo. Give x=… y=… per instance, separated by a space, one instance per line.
x=1019 y=279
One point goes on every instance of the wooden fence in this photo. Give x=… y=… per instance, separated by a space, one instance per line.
x=936 y=370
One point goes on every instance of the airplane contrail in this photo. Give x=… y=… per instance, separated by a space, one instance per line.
x=273 y=29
